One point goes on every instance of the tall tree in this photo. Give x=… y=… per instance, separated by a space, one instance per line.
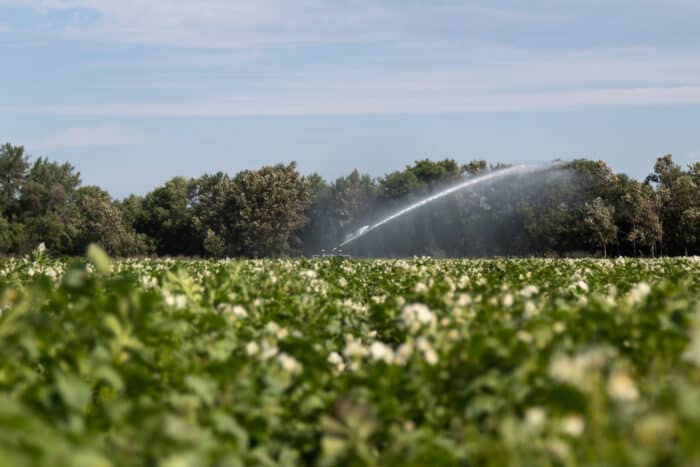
x=212 y=220
x=14 y=165
x=678 y=194
x=598 y=220
x=166 y=217
x=100 y=220
x=641 y=208
x=270 y=206
x=48 y=205
x=355 y=196
x=321 y=230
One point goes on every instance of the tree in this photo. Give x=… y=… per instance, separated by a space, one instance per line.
x=214 y=245
x=48 y=187
x=166 y=217
x=399 y=184
x=598 y=221
x=678 y=194
x=474 y=167
x=641 y=206
x=690 y=229
x=101 y=221
x=13 y=171
x=321 y=230
x=47 y=205
x=211 y=219
x=354 y=196
x=431 y=173
x=270 y=206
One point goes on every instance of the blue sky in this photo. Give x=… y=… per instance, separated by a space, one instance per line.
x=135 y=92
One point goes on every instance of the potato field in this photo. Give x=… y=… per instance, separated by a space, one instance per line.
x=407 y=362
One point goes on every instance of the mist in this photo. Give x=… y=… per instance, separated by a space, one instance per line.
x=492 y=214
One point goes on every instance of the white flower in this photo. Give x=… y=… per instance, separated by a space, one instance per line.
x=464 y=300
x=430 y=356
x=428 y=351
x=535 y=418
x=463 y=282
x=621 y=386
x=289 y=363
x=638 y=293
x=272 y=327
x=530 y=309
x=41 y=248
x=529 y=291
x=507 y=300
x=178 y=301
x=415 y=315
x=252 y=348
x=381 y=352
x=337 y=361
x=404 y=353
x=524 y=336
x=421 y=288
x=573 y=425
x=354 y=349
x=233 y=312
x=149 y=282
x=269 y=350
x=567 y=369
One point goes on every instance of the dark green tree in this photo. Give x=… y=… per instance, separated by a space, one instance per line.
x=269 y=206
x=678 y=195
x=101 y=221
x=47 y=204
x=599 y=223
x=14 y=165
x=166 y=217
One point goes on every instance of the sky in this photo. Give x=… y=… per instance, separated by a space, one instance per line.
x=134 y=92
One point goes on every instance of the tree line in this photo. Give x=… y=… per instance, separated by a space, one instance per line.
x=583 y=209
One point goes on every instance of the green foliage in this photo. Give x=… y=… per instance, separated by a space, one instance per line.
x=270 y=206
x=583 y=208
x=599 y=222
x=166 y=216
x=679 y=194
x=349 y=362
x=214 y=245
x=13 y=171
x=100 y=220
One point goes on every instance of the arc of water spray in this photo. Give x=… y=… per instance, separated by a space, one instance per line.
x=515 y=170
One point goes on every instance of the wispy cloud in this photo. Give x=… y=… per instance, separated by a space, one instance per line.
x=352 y=102
x=100 y=135
x=328 y=57
x=261 y=23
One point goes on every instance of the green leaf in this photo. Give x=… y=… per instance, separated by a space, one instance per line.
x=74 y=391
x=203 y=387
x=99 y=258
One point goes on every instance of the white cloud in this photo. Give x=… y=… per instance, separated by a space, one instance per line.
x=354 y=101
x=259 y=23
x=101 y=135
x=412 y=58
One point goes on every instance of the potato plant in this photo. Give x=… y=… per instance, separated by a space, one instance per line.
x=157 y=362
